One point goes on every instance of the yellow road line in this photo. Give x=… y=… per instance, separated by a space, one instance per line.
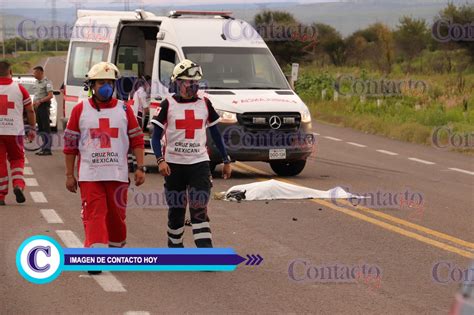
x=385 y=225
x=414 y=226
x=397 y=229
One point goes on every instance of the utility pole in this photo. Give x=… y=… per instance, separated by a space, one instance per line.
x=55 y=21
x=2 y=31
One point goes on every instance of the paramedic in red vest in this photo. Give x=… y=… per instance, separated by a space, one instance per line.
x=184 y=160
x=100 y=130
x=14 y=100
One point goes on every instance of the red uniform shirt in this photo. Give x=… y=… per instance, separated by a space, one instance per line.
x=26 y=96
x=71 y=143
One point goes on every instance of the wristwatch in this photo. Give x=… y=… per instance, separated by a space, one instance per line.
x=142 y=168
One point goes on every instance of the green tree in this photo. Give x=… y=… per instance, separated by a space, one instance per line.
x=372 y=45
x=286 y=50
x=411 y=38
x=330 y=42
x=451 y=15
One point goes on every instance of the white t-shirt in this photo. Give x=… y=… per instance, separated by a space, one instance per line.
x=140 y=101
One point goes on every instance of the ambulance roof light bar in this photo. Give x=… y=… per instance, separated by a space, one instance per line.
x=178 y=13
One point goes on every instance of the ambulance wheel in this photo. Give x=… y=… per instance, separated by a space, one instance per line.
x=288 y=168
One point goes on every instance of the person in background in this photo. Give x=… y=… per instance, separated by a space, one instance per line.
x=14 y=100
x=42 y=105
x=140 y=103
x=141 y=99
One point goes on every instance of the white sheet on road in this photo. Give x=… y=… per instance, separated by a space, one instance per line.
x=277 y=190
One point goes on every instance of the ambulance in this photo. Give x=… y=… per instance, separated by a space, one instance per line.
x=262 y=118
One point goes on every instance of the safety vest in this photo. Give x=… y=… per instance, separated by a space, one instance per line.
x=103 y=144
x=11 y=110
x=185 y=134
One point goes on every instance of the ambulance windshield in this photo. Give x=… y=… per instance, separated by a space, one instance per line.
x=237 y=68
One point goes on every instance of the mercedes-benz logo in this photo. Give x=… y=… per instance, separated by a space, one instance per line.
x=275 y=122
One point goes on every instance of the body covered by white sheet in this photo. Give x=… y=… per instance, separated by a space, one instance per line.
x=277 y=190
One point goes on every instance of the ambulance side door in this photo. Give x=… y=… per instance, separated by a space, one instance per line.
x=166 y=58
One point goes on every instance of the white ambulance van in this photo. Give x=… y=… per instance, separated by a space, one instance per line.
x=262 y=118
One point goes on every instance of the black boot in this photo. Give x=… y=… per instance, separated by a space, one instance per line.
x=20 y=197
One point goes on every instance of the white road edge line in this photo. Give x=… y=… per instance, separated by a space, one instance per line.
x=27 y=170
x=421 y=161
x=38 y=197
x=31 y=182
x=461 y=170
x=357 y=144
x=316 y=134
x=332 y=138
x=69 y=239
x=136 y=313
x=387 y=152
x=51 y=216
x=106 y=280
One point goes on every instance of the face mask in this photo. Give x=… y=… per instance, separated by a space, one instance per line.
x=191 y=90
x=106 y=91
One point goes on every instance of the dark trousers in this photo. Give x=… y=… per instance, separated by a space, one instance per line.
x=188 y=184
x=42 y=118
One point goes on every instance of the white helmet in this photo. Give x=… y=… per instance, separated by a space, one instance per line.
x=186 y=70
x=103 y=70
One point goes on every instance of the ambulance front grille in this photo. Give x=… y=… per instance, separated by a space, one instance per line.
x=287 y=121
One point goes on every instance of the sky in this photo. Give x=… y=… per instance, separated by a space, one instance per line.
x=85 y=3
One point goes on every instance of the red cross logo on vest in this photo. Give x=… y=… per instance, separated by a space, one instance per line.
x=5 y=105
x=104 y=133
x=189 y=123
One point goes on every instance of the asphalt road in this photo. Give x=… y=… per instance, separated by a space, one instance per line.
x=404 y=243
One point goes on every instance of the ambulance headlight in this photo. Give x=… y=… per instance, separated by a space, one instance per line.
x=305 y=116
x=227 y=117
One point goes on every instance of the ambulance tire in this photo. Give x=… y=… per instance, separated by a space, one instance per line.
x=288 y=168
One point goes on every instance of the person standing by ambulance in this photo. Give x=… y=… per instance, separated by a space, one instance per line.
x=184 y=162
x=140 y=104
x=14 y=100
x=100 y=130
x=42 y=104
